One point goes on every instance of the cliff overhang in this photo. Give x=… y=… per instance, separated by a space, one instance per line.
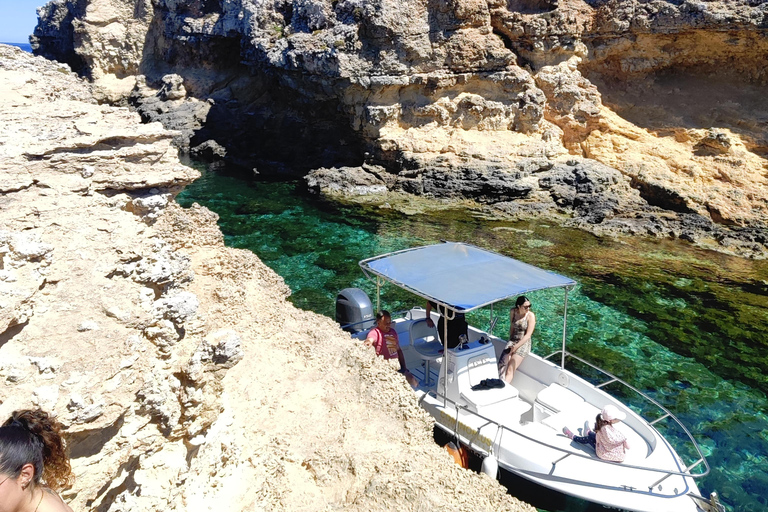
x=665 y=93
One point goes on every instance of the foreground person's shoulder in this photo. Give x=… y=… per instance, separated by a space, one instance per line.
x=52 y=502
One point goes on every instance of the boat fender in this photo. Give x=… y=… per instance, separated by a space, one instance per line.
x=715 y=504
x=490 y=466
x=460 y=455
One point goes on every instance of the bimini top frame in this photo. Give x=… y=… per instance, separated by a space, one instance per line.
x=462 y=277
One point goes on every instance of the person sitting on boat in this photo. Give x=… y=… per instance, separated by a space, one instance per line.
x=33 y=463
x=384 y=340
x=457 y=326
x=522 y=321
x=608 y=442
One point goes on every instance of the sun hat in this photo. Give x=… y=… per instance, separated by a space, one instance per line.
x=610 y=413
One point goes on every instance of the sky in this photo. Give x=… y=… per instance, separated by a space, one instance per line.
x=18 y=19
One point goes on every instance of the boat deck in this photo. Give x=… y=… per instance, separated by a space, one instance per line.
x=533 y=411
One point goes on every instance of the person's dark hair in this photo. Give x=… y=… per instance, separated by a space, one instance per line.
x=34 y=437
x=381 y=314
x=521 y=300
x=600 y=422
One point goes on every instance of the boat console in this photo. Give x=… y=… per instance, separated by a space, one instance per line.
x=466 y=369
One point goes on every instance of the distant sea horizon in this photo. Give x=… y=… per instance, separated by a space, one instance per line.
x=24 y=46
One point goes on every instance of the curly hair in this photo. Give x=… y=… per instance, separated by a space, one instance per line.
x=35 y=437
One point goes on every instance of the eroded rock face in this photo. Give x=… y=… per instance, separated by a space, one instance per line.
x=418 y=85
x=183 y=377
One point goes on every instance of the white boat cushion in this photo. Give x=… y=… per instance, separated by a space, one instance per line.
x=573 y=419
x=557 y=398
x=480 y=368
x=486 y=397
x=507 y=413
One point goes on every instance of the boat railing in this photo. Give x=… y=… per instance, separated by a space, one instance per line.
x=666 y=473
x=611 y=379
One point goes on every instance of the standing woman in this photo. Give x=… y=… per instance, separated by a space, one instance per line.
x=33 y=463
x=522 y=321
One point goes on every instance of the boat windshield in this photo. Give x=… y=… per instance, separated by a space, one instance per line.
x=461 y=276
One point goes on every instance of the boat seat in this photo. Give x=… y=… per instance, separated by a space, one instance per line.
x=425 y=343
x=486 y=397
x=573 y=418
x=507 y=412
x=424 y=339
x=554 y=399
x=478 y=369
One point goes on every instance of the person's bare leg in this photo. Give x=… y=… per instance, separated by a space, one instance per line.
x=510 y=373
x=503 y=364
x=514 y=362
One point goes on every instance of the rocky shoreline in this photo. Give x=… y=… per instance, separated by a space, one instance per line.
x=184 y=378
x=581 y=194
x=619 y=117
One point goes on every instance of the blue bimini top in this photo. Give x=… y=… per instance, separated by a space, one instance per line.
x=461 y=276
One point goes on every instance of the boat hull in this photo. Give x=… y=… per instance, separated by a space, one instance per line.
x=522 y=427
x=521 y=424
x=546 y=467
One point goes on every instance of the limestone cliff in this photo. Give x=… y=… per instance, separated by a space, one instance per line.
x=624 y=116
x=184 y=378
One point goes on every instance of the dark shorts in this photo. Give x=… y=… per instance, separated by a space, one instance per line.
x=456 y=328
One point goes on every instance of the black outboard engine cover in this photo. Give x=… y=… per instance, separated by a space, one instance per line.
x=354 y=307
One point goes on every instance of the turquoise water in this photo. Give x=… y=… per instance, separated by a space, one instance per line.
x=684 y=325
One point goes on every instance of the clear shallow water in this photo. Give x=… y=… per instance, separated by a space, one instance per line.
x=686 y=326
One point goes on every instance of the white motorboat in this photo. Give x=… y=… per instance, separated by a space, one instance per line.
x=520 y=426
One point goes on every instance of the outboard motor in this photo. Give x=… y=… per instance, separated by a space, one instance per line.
x=354 y=307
